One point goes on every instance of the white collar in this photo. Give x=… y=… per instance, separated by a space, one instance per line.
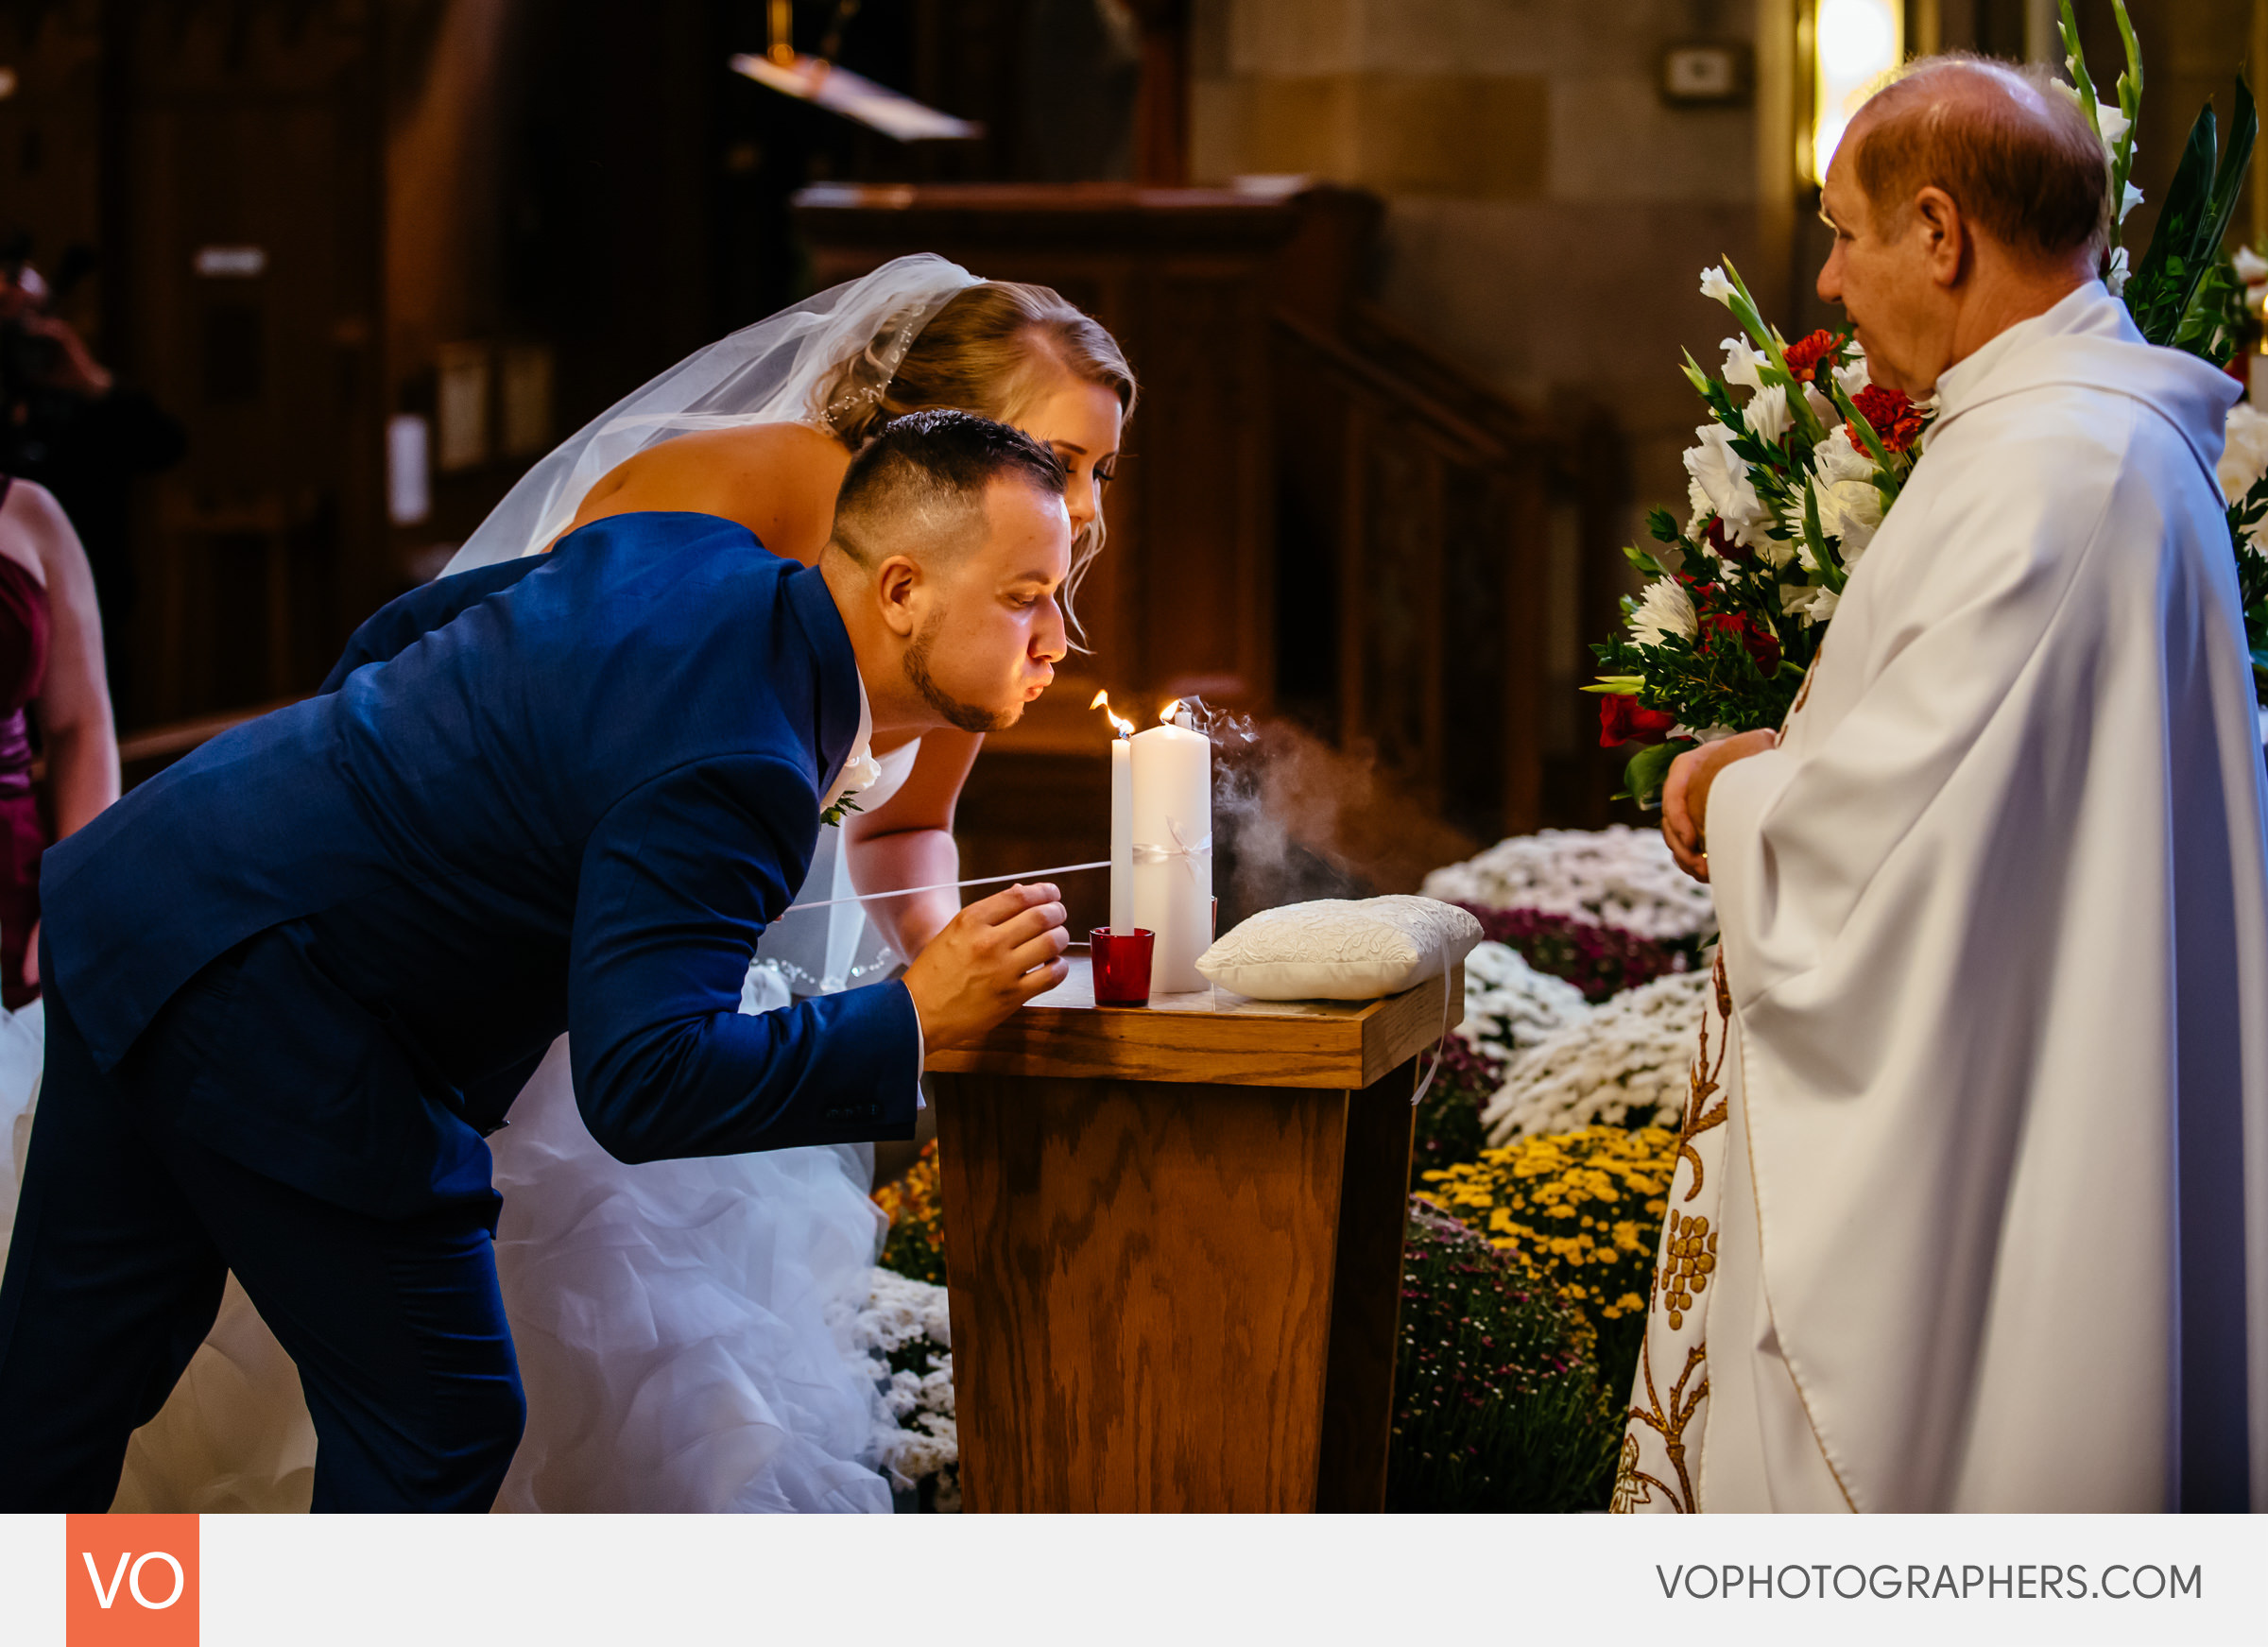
x=860 y=770
x=1957 y=385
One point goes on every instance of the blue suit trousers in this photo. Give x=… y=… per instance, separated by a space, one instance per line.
x=125 y=1235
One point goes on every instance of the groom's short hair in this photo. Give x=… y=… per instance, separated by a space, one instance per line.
x=919 y=487
x=2008 y=144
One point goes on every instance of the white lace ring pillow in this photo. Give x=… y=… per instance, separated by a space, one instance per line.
x=1339 y=949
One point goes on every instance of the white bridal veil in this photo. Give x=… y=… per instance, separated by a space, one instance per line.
x=827 y=357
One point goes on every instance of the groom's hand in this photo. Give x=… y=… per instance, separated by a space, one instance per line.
x=990 y=959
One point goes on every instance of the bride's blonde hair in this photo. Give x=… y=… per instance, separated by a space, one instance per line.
x=995 y=349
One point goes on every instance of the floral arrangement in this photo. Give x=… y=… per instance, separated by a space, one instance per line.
x=1788 y=488
x=1498 y=1403
x=1597 y=961
x=1617 y=877
x=1585 y=1207
x=1789 y=485
x=904 y=1338
x=1625 y=1064
x=915 y=1244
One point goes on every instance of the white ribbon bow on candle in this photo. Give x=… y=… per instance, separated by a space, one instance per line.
x=1144 y=853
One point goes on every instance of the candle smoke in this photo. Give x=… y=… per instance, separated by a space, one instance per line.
x=1294 y=818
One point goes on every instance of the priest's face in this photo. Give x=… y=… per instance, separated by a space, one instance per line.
x=991 y=630
x=1885 y=272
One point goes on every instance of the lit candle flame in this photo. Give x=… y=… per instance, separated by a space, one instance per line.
x=1166 y=715
x=1102 y=702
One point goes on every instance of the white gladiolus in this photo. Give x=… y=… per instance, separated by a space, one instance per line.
x=2109 y=121
x=2127 y=202
x=2115 y=273
x=1722 y=477
x=1742 y=363
x=1851 y=375
x=2252 y=268
x=1822 y=409
x=1813 y=606
x=1835 y=458
x=1666 y=609
x=1715 y=284
x=1768 y=414
x=1843 y=491
x=1851 y=511
x=2245 y=458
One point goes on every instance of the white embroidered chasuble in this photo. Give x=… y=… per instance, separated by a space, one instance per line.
x=1988 y=1192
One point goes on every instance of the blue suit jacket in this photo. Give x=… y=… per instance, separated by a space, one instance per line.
x=565 y=792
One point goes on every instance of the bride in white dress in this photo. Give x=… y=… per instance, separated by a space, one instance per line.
x=681 y=1326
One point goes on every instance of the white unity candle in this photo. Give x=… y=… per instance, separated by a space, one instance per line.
x=1121 y=834
x=1172 y=770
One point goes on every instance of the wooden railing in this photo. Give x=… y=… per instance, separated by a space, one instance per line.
x=1457 y=551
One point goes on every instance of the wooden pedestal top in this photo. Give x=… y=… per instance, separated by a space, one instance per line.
x=1214 y=1037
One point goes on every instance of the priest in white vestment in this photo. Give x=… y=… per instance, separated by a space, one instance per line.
x=1993 y=1175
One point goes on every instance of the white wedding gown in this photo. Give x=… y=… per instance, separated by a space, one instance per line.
x=681 y=1326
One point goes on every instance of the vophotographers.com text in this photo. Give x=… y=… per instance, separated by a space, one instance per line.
x=1884 y=1581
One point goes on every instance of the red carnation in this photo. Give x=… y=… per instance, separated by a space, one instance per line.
x=1804 y=358
x=1623 y=720
x=1763 y=645
x=1897 y=421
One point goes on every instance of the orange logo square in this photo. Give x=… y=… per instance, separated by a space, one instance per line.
x=130 y=1580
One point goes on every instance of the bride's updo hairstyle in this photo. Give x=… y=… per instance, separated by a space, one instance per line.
x=995 y=349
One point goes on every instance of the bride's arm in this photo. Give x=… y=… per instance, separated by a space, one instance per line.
x=907 y=841
x=777 y=479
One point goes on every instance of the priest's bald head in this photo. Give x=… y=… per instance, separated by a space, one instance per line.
x=1966 y=195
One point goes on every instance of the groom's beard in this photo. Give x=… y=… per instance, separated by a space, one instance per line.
x=967 y=716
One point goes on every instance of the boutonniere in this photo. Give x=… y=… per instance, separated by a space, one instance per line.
x=861 y=772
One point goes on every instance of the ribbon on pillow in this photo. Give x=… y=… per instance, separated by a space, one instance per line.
x=1440 y=1041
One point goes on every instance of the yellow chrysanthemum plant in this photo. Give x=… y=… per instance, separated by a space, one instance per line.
x=1586 y=1208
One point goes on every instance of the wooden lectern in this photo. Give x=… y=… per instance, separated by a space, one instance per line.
x=1175 y=1247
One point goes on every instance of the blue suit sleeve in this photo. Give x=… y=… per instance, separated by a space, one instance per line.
x=676 y=884
x=394 y=626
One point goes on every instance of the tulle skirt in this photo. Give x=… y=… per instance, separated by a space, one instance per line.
x=682 y=1328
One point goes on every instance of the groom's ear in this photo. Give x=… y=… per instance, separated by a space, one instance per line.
x=903 y=592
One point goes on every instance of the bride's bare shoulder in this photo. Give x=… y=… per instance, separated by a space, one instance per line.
x=777 y=479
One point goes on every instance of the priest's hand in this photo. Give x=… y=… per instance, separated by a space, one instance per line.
x=990 y=959
x=1685 y=795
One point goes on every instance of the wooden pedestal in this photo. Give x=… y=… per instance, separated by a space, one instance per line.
x=1174 y=1244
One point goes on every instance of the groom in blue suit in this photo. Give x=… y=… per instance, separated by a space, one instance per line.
x=293 y=981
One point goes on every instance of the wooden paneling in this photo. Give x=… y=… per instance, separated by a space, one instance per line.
x=1187 y=281
x=251 y=127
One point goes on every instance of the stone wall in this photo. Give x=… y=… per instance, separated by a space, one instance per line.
x=1548 y=211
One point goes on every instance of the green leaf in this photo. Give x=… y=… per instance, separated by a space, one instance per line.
x=2075 y=60
x=2192 y=222
x=1649 y=769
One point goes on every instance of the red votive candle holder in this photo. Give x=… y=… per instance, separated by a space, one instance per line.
x=1122 y=966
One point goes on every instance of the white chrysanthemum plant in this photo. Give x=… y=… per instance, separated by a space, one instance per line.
x=1617 y=876
x=1789 y=482
x=1624 y=1064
